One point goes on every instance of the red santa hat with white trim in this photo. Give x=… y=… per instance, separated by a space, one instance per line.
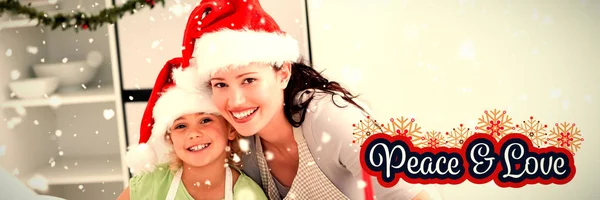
x=225 y=34
x=178 y=91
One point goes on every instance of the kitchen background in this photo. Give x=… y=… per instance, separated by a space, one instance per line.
x=72 y=102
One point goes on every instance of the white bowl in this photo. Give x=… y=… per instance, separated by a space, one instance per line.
x=34 y=87
x=71 y=74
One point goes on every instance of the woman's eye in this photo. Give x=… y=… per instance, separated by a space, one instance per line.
x=249 y=80
x=205 y=120
x=219 y=85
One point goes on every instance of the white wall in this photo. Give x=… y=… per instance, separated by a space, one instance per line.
x=445 y=62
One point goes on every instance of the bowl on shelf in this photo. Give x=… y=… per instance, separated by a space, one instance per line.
x=34 y=87
x=71 y=75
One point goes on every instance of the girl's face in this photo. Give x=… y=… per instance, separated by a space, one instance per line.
x=250 y=96
x=199 y=139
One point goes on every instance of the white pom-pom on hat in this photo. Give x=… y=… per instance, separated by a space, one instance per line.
x=141 y=158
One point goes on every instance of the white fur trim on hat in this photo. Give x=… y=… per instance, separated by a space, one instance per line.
x=186 y=97
x=228 y=49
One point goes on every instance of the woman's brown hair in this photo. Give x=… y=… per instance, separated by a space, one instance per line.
x=304 y=77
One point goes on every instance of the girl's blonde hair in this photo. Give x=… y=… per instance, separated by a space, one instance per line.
x=234 y=150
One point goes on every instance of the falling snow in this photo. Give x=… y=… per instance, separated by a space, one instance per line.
x=21 y=111
x=269 y=155
x=555 y=93
x=8 y=52
x=325 y=137
x=361 y=184
x=155 y=44
x=244 y=145
x=54 y=101
x=587 y=98
x=38 y=182
x=467 y=50
x=236 y=158
x=109 y=114
x=523 y=97
x=565 y=104
x=32 y=50
x=36 y=122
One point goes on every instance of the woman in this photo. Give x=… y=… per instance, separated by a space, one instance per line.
x=297 y=122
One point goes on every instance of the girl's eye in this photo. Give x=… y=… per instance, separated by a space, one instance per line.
x=219 y=85
x=180 y=126
x=249 y=80
x=205 y=120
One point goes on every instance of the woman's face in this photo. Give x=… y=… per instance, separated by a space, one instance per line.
x=199 y=139
x=250 y=96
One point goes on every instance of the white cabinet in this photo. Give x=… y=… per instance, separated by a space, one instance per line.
x=68 y=143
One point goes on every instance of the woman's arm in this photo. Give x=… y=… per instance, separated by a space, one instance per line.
x=124 y=195
x=329 y=118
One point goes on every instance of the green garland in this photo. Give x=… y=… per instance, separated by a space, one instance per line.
x=77 y=20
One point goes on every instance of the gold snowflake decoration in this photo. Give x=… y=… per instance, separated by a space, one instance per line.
x=495 y=123
x=535 y=131
x=364 y=129
x=432 y=139
x=566 y=135
x=458 y=136
x=405 y=127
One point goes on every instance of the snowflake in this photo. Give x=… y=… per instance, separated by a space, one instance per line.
x=495 y=123
x=405 y=127
x=535 y=131
x=364 y=129
x=566 y=135
x=458 y=136
x=431 y=139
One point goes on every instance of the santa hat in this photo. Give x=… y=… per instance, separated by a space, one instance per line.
x=230 y=33
x=178 y=91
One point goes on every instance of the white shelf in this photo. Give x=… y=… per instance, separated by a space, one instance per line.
x=19 y=23
x=95 y=169
x=91 y=95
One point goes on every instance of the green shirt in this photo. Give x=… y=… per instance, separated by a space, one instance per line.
x=155 y=185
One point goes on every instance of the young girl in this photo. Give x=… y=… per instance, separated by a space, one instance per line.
x=204 y=151
x=293 y=117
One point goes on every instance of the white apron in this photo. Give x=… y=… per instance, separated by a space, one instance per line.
x=310 y=182
x=177 y=180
